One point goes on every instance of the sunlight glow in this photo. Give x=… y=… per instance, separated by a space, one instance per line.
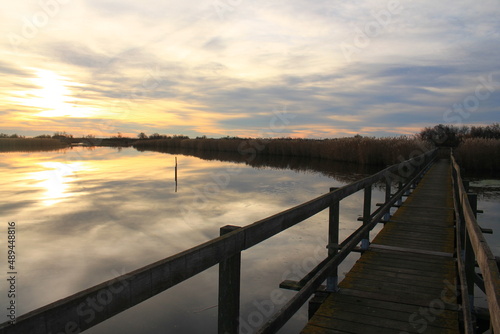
x=56 y=180
x=53 y=97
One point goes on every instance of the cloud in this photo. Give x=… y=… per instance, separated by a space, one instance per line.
x=10 y=69
x=74 y=53
x=215 y=44
x=136 y=64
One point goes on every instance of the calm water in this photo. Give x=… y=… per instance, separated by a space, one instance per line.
x=87 y=215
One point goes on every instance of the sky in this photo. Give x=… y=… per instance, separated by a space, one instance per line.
x=295 y=68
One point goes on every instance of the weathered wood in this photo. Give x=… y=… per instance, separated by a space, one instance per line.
x=387 y=275
x=483 y=254
x=460 y=239
x=333 y=242
x=383 y=310
x=367 y=209
x=229 y=290
x=388 y=190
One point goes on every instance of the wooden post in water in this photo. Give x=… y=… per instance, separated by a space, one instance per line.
x=175 y=174
x=229 y=290
x=333 y=243
x=367 y=206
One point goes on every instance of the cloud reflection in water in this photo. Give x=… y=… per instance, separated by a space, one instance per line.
x=86 y=216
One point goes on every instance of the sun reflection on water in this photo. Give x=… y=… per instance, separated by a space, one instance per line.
x=56 y=179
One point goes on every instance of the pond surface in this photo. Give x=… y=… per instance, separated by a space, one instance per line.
x=84 y=216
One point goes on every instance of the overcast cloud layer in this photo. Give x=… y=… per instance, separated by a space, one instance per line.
x=247 y=68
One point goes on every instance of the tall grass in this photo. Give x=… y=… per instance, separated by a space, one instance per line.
x=479 y=154
x=30 y=144
x=363 y=150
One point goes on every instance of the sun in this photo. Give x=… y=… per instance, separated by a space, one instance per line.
x=54 y=96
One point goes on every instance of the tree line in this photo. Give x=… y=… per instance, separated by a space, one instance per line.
x=440 y=135
x=451 y=136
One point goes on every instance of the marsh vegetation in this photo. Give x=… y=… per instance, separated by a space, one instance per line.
x=30 y=144
x=362 y=150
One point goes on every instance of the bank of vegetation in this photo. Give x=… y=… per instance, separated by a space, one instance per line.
x=30 y=144
x=479 y=154
x=476 y=148
x=358 y=149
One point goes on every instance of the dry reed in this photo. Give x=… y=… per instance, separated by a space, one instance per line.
x=30 y=144
x=363 y=150
x=479 y=154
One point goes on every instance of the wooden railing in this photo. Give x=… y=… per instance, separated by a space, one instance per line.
x=70 y=315
x=472 y=248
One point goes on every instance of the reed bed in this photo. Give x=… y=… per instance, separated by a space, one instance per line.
x=362 y=150
x=479 y=154
x=30 y=144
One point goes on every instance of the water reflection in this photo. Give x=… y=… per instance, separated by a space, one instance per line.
x=485 y=188
x=87 y=215
x=344 y=172
x=55 y=178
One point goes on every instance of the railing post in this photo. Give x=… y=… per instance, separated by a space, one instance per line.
x=333 y=243
x=229 y=290
x=470 y=271
x=367 y=206
x=400 y=200
x=388 y=189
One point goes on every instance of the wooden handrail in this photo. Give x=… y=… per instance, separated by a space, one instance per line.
x=75 y=313
x=484 y=257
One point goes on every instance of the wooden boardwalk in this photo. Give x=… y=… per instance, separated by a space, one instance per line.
x=406 y=281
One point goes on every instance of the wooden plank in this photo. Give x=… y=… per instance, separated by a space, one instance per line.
x=416 y=237
x=423 y=302
x=408 y=250
x=357 y=323
x=446 y=246
x=349 y=326
x=402 y=290
x=390 y=253
x=386 y=311
x=390 y=275
x=415 y=258
x=396 y=270
x=429 y=246
x=315 y=330
x=408 y=309
x=405 y=264
x=377 y=277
